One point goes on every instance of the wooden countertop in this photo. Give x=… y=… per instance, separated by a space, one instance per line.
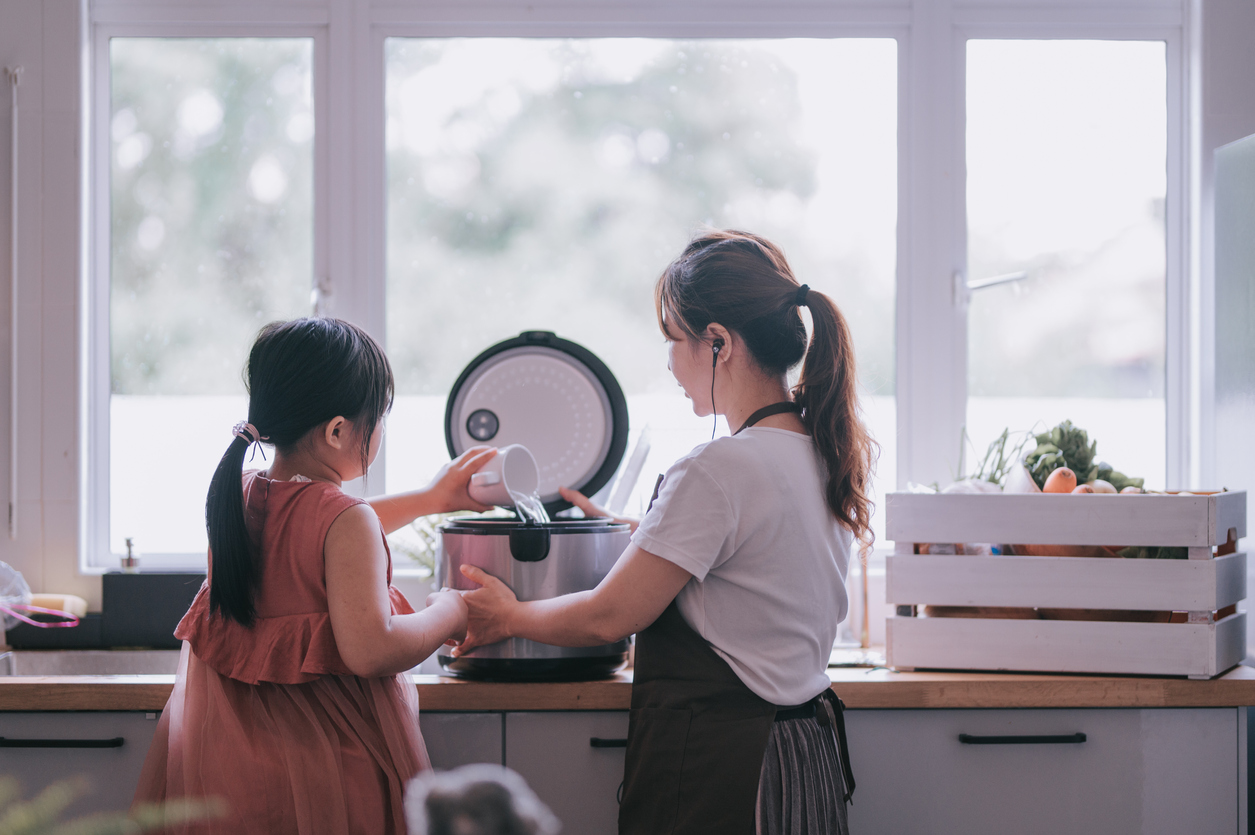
x=859 y=688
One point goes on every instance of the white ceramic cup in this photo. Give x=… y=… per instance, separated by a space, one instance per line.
x=513 y=469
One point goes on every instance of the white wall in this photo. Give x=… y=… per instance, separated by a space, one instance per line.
x=43 y=38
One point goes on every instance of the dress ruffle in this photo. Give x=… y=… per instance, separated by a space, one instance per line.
x=288 y=649
x=329 y=757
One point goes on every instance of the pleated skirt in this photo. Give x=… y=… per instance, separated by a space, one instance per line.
x=801 y=786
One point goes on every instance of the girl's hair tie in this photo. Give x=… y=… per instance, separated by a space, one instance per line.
x=800 y=298
x=249 y=433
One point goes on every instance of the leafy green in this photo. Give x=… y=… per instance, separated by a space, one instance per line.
x=1163 y=552
x=1063 y=446
x=41 y=815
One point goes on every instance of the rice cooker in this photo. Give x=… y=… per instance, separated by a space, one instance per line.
x=561 y=402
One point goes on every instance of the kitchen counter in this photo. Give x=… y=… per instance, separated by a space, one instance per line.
x=863 y=688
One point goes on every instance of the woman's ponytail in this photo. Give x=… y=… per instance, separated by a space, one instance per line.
x=827 y=391
x=234 y=567
x=743 y=282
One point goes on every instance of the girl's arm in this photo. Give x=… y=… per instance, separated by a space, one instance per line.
x=447 y=492
x=632 y=596
x=372 y=641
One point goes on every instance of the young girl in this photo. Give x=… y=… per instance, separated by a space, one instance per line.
x=288 y=703
x=734 y=581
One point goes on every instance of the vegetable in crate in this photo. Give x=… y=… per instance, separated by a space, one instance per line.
x=1069 y=446
x=1063 y=446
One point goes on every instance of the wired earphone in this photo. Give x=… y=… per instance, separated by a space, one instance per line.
x=716 y=347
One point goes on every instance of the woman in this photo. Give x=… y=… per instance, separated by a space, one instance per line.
x=734 y=580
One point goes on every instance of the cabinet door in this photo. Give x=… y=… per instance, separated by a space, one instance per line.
x=1138 y=771
x=577 y=779
x=455 y=739
x=112 y=771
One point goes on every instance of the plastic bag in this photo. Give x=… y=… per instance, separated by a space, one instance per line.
x=15 y=608
x=14 y=591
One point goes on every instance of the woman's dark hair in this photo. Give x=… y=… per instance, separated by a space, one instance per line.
x=743 y=282
x=300 y=375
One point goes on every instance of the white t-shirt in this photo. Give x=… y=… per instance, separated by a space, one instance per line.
x=745 y=515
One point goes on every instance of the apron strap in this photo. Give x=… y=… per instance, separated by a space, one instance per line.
x=834 y=711
x=767 y=411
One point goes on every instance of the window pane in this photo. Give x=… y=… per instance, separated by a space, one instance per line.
x=211 y=237
x=544 y=184
x=1066 y=162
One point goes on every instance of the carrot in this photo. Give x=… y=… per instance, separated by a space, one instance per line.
x=1062 y=480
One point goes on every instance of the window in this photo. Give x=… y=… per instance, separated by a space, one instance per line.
x=1066 y=194
x=448 y=180
x=211 y=236
x=541 y=184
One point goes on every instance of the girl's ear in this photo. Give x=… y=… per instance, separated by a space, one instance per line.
x=336 y=432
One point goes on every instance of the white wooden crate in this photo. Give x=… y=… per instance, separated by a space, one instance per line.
x=1203 y=585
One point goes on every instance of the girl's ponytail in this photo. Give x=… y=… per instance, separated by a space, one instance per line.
x=827 y=391
x=234 y=574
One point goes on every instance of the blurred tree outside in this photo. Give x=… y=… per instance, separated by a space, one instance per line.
x=211 y=205
x=544 y=185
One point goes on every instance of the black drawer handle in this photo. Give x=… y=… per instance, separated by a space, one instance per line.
x=115 y=742
x=598 y=742
x=969 y=739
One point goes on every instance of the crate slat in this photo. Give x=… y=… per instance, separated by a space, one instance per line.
x=1186 y=649
x=1228 y=513
x=1049 y=519
x=1066 y=582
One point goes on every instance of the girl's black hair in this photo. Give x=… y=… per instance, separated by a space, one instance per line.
x=300 y=375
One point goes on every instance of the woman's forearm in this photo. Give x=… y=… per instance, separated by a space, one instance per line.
x=572 y=620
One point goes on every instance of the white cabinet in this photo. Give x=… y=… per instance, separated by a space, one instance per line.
x=574 y=763
x=107 y=747
x=455 y=739
x=1139 y=772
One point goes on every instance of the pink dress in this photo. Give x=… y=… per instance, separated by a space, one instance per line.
x=268 y=717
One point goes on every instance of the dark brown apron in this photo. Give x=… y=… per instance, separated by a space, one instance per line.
x=696 y=738
x=697 y=734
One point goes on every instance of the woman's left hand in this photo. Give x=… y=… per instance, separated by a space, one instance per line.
x=489 y=608
x=449 y=488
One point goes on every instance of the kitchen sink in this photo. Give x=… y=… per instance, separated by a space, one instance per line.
x=89 y=662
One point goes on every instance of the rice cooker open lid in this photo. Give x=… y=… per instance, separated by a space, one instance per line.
x=552 y=396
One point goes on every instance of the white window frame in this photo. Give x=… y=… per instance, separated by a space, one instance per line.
x=931 y=338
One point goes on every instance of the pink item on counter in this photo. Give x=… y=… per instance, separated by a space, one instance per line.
x=17 y=609
x=269 y=717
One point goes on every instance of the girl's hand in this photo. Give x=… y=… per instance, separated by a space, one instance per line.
x=449 y=603
x=581 y=501
x=489 y=609
x=449 y=488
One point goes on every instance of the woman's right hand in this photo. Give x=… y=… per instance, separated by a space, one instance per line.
x=581 y=501
x=489 y=608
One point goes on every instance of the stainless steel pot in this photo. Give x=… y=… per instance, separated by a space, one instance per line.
x=538 y=562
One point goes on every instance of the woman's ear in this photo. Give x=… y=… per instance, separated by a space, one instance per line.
x=336 y=432
x=717 y=335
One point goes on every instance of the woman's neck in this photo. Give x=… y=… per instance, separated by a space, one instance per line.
x=751 y=393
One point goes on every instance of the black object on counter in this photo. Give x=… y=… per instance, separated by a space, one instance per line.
x=142 y=610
